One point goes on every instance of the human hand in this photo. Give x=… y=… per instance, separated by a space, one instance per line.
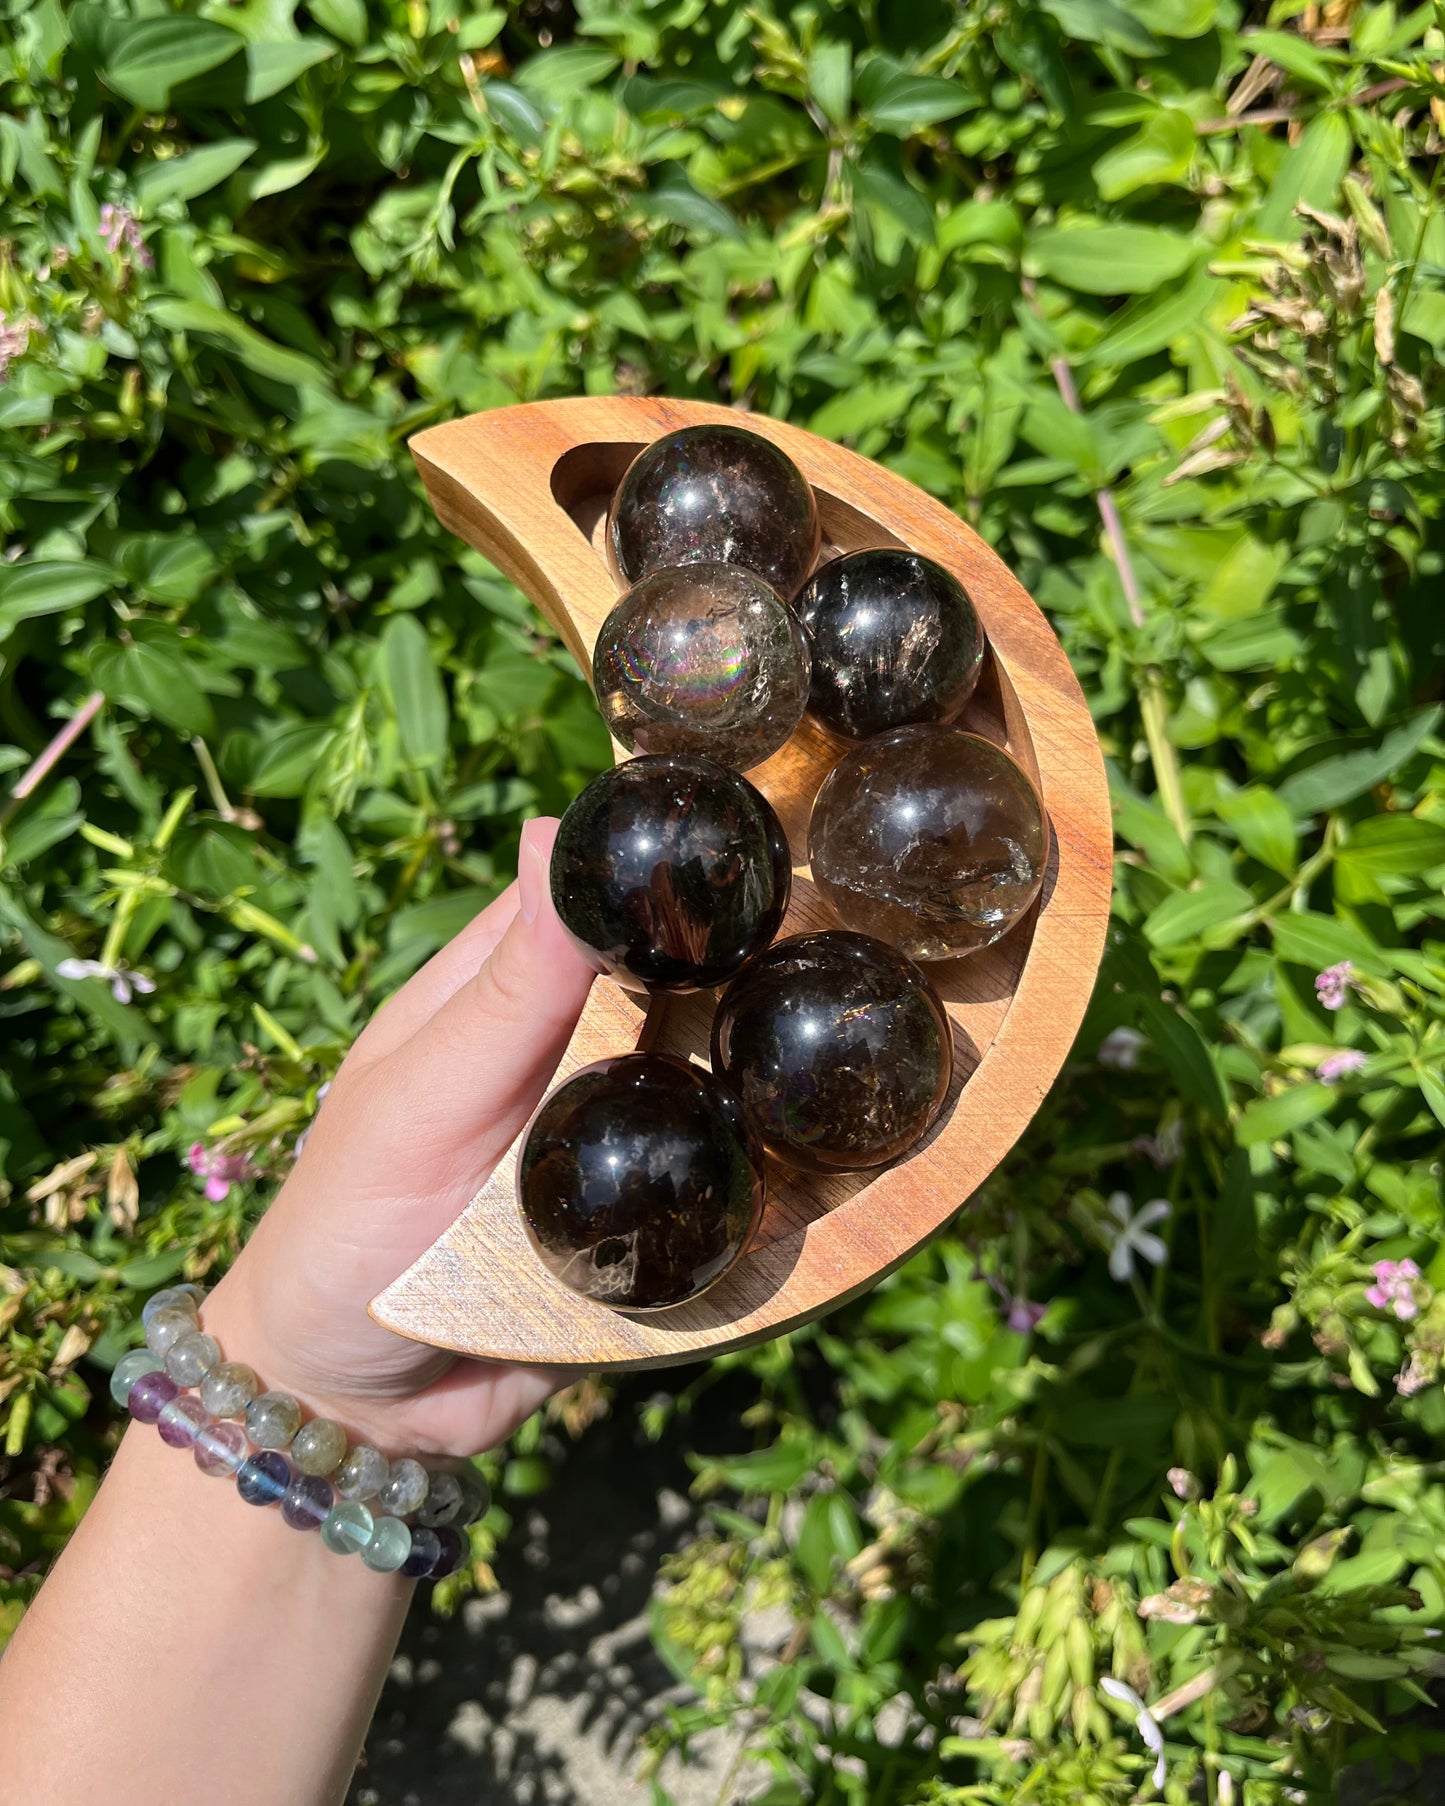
x=433 y=1092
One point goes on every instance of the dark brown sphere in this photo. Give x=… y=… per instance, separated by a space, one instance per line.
x=838 y=1048
x=639 y=1181
x=895 y=639
x=674 y=872
x=930 y=838
x=716 y=493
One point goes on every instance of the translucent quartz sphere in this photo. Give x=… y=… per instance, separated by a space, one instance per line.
x=639 y=1181
x=272 y=1419
x=673 y=871
x=362 y=1474
x=128 y=1369
x=895 y=640
x=703 y=658
x=714 y=493
x=930 y=838
x=388 y=1545
x=190 y=1358
x=405 y=1488
x=443 y=1500
x=838 y=1049
x=228 y=1389
x=348 y=1527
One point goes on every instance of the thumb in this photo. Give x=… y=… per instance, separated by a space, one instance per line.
x=466 y=1082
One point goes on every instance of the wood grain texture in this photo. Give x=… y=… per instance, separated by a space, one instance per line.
x=528 y=487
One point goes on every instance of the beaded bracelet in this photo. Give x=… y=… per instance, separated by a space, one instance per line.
x=217 y=1409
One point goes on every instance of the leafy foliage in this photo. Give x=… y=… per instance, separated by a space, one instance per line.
x=1154 y=296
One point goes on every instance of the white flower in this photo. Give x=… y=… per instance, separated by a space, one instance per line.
x=123 y=982
x=1120 y=1049
x=1128 y=1232
x=1144 y=1722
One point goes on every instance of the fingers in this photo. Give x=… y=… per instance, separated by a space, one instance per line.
x=440 y=978
x=468 y=1079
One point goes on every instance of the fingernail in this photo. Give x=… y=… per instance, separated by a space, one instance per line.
x=531 y=879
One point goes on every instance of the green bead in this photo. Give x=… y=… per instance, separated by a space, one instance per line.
x=388 y=1546
x=348 y=1527
x=128 y=1370
x=318 y=1446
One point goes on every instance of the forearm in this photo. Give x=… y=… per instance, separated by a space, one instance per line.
x=189 y=1646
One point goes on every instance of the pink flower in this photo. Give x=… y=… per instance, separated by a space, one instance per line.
x=1399 y=1288
x=1337 y=1066
x=1332 y=986
x=220 y=1171
x=122 y=981
x=1020 y=1313
x=14 y=337
x=1413 y=1377
x=120 y=230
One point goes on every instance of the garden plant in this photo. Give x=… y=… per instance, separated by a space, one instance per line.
x=1133 y=1485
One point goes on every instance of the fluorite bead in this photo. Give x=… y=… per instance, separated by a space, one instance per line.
x=182 y=1420
x=709 y=493
x=705 y=658
x=405 y=1488
x=128 y=1369
x=220 y=1448
x=930 y=838
x=838 y=1049
x=318 y=1446
x=190 y=1358
x=388 y=1545
x=228 y=1389
x=452 y=1546
x=425 y=1548
x=166 y=1327
x=639 y=1181
x=442 y=1502
x=476 y=1498
x=673 y=872
x=185 y=1298
x=307 y=1502
x=150 y=1395
x=894 y=639
x=262 y=1478
x=348 y=1529
x=362 y=1474
x=272 y=1420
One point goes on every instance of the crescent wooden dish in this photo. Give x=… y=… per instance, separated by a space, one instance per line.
x=528 y=486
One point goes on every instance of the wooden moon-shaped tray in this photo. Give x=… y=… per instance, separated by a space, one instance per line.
x=528 y=486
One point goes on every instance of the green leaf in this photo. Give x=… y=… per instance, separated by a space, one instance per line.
x=1149 y=324
x=270 y=67
x=1332 y=781
x=675 y=199
x=1317 y=941
x=151 y=57
x=1186 y=1053
x=1394 y=845
x=893 y=99
x=885 y=187
x=856 y=410
x=514 y=113
x=1103 y=22
x=1263 y=825
x=1243 y=580
x=254 y=351
x=1262 y=641
x=556 y=75
x=1274 y=1117
x=1161 y=151
x=183 y=178
x=288 y=759
x=830 y=78
x=344 y=19
x=778 y=1469
x=1110 y=260
x=1185 y=915
x=154 y=679
x=46 y=586
x=1312 y=171
x=417 y=693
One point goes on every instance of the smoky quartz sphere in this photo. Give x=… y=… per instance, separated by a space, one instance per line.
x=895 y=640
x=702 y=658
x=673 y=871
x=838 y=1048
x=714 y=493
x=929 y=838
x=639 y=1181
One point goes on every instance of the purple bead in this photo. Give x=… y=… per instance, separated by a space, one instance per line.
x=150 y=1395
x=426 y=1546
x=182 y=1420
x=308 y=1502
x=449 y=1557
x=220 y=1448
x=264 y=1477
